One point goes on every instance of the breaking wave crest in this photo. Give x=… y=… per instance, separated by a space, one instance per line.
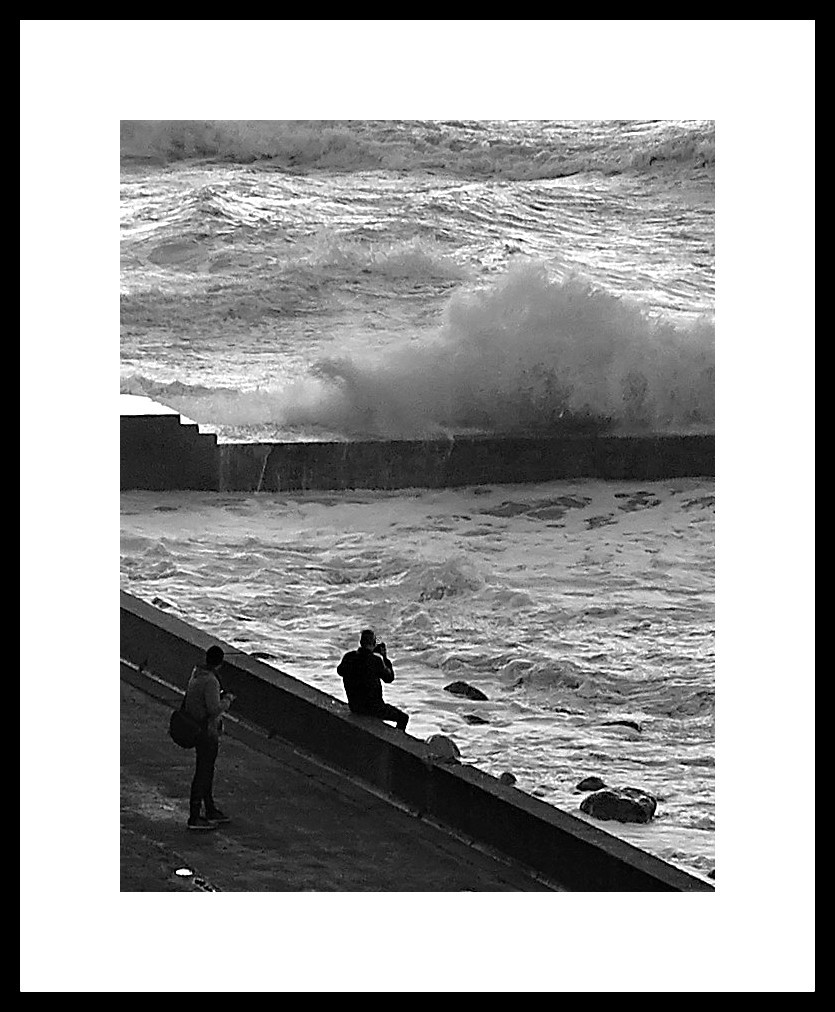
x=528 y=355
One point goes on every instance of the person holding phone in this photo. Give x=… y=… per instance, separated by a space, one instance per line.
x=206 y=702
x=363 y=671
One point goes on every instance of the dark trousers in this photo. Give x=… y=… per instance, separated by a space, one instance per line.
x=384 y=711
x=204 y=775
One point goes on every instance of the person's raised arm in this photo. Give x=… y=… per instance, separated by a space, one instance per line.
x=387 y=673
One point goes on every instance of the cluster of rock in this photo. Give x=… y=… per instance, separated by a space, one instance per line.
x=621 y=804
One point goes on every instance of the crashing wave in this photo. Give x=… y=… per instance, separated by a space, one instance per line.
x=527 y=355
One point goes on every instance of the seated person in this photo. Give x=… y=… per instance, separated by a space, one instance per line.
x=363 y=671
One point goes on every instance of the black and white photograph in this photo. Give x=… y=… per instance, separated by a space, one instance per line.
x=429 y=571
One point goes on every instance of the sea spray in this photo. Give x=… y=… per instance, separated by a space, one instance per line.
x=528 y=354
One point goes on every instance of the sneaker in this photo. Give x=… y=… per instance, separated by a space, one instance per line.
x=198 y=823
x=217 y=817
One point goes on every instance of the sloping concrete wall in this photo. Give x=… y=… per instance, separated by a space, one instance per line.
x=559 y=846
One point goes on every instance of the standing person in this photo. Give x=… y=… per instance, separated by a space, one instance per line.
x=206 y=702
x=363 y=672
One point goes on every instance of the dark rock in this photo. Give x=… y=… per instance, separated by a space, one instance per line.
x=473 y=718
x=508 y=509
x=625 y=804
x=158 y=601
x=464 y=689
x=442 y=747
x=622 y=723
x=712 y=873
x=574 y=502
x=590 y=784
x=548 y=513
x=262 y=655
x=592 y=523
x=703 y=503
x=507 y=778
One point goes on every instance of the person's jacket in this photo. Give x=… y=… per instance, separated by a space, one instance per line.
x=363 y=672
x=204 y=701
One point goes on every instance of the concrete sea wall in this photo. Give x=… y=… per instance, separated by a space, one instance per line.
x=161 y=452
x=284 y=467
x=560 y=847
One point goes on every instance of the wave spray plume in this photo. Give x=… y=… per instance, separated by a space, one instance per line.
x=530 y=354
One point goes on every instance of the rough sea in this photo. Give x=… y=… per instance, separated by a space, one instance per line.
x=340 y=280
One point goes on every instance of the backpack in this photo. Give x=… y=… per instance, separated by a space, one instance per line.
x=183 y=728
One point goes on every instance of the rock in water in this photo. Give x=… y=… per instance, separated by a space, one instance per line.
x=624 y=804
x=507 y=778
x=633 y=724
x=590 y=784
x=473 y=718
x=442 y=747
x=464 y=689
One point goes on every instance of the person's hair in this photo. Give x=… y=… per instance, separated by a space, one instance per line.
x=367 y=638
x=214 y=656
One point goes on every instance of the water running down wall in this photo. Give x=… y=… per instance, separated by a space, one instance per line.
x=159 y=452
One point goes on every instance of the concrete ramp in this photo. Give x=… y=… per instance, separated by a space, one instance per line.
x=296 y=825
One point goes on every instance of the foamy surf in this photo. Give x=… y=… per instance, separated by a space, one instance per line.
x=508 y=150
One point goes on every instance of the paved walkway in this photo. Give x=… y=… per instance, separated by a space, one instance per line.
x=297 y=827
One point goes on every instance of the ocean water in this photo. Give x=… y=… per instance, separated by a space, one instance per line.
x=384 y=279
x=418 y=279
